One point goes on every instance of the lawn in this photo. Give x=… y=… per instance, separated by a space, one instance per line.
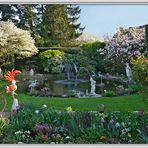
x=121 y=103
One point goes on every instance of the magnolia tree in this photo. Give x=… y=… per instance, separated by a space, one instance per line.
x=14 y=42
x=123 y=45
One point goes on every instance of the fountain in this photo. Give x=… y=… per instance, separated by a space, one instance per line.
x=70 y=70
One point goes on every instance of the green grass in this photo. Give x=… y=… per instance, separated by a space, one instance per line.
x=121 y=103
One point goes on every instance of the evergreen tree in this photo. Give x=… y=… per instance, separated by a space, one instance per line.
x=7 y=12
x=59 y=26
x=73 y=16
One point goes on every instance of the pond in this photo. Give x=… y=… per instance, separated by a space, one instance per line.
x=58 y=85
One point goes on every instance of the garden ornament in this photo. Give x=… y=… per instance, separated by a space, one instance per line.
x=31 y=72
x=93 y=86
x=32 y=85
x=128 y=72
x=101 y=108
x=10 y=76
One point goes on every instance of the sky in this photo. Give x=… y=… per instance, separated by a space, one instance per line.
x=102 y=20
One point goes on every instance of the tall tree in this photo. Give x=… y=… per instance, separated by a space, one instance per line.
x=73 y=16
x=59 y=26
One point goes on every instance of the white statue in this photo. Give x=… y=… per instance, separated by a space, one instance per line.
x=93 y=86
x=15 y=105
x=31 y=72
x=128 y=72
x=0 y=72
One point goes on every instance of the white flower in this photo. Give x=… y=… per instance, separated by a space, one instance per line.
x=44 y=106
x=117 y=124
x=28 y=132
x=67 y=137
x=37 y=111
x=18 y=132
x=19 y=41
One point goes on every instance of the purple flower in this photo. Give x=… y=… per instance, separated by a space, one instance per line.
x=111 y=122
x=42 y=127
x=101 y=121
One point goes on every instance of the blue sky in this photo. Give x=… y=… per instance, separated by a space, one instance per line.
x=101 y=20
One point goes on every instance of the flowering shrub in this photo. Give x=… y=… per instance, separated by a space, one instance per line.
x=14 y=42
x=123 y=45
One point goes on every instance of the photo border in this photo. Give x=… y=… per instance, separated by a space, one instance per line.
x=87 y=2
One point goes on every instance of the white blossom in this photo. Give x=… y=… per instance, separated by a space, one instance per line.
x=15 y=41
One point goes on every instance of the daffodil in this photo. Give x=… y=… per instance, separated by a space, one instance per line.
x=69 y=109
x=103 y=138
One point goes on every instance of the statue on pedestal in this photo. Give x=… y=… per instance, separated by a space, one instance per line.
x=128 y=72
x=93 y=86
x=31 y=72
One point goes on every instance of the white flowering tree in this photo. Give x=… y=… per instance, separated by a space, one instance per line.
x=14 y=42
x=86 y=38
x=123 y=45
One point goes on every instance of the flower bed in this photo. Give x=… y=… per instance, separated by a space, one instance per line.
x=49 y=126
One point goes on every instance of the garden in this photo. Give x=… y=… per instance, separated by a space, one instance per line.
x=60 y=86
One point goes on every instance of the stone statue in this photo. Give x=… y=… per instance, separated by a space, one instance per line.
x=128 y=72
x=32 y=85
x=93 y=86
x=15 y=105
x=31 y=72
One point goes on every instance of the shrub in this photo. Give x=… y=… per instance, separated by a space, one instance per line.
x=140 y=73
x=136 y=88
x=109 y=93
x=52 y=60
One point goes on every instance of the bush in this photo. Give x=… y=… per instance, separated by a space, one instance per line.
x=140 y=74
x=110 y=93
x=52 y=60
x=136 y=88
x=90 y=50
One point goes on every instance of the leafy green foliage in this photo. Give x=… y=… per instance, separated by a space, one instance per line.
x=140 y=69
x=110 y=93
x=136 y=88
x=90 y=50
x=49 y=125
x=140 y=74
x=52 y=60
